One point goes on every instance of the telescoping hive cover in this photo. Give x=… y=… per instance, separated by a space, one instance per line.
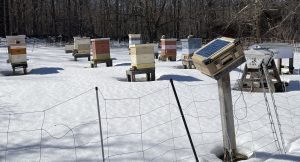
x=219 y=55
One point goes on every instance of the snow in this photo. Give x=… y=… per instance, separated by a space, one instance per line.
x=51 y=113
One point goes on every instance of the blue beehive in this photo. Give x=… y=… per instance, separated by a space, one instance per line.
x=190 y=45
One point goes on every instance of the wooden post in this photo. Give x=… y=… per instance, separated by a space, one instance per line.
x=279 y=64
x=226 y=111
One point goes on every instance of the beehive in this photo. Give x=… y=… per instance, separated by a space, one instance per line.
x=100 y=49
x=17 y=54
x=16 y=40
x=168 y=47
x=190 y=45
x=82 y=45
x=69 y=48
x=283 y=50
x=142 y=56
x=256 y=57
x=218 y=56
x=134 y=39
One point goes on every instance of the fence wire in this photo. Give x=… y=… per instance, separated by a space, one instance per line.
x=147 y=127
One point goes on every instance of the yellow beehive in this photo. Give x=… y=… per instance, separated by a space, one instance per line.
x=142 y=56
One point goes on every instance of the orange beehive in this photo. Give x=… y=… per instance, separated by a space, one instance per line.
x=101 y=49
x=168 y=47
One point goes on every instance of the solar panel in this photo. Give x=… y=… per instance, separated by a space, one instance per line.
x=212 y=48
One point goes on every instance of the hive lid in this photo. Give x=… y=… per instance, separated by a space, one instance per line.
x=98 y=39
x=134 y=35
x=169 y=39
x=142 y=45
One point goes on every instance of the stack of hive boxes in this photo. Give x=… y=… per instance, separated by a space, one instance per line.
x=134 y=39
x=100 y=49
x=16 y=49
x=82 y=45
x=168 y=49
x=142 y=56
x=190 y=45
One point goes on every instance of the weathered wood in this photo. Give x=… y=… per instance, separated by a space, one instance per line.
x=150 y=74
x=227 y=119
x=20 y=65
x=109 y=63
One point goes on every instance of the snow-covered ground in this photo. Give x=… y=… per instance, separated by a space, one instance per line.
x=51 y=113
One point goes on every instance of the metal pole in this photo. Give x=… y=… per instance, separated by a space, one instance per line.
x=184 y=122
x=227 y=117
x=100 y=126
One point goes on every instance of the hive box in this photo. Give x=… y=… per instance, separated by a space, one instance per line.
x=258 y=56
x=16 y=40
x=82 y=45
x=283 y=50
x=69 y=48
x=220 y=55
x=168 y=47
x=142 y=56
x=134 y=39
x=190 y=45
x=101 y=49
x=17 y=54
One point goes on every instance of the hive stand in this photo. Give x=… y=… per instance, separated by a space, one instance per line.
x=156 y=55
x=290 y=66
x=81 y=55
x=109 y=63
x=19 y=65
x=165 y=58
x=251 y=80
x=187 y=62
x=150 y=74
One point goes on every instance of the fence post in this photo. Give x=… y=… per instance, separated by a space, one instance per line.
x=100 y=126
x=184 y=121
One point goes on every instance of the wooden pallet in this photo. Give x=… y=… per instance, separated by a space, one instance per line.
x=150 y=74
x=19 y=65
x=109 y=63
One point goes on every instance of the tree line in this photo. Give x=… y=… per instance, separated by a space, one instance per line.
x=152 y=18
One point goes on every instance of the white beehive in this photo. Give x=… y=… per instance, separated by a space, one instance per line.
x=283 y=50
x=69 y=48
x=190 y=45
x=82 y=45
x=142 y=56
x=256 y=57
x=16 y=40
